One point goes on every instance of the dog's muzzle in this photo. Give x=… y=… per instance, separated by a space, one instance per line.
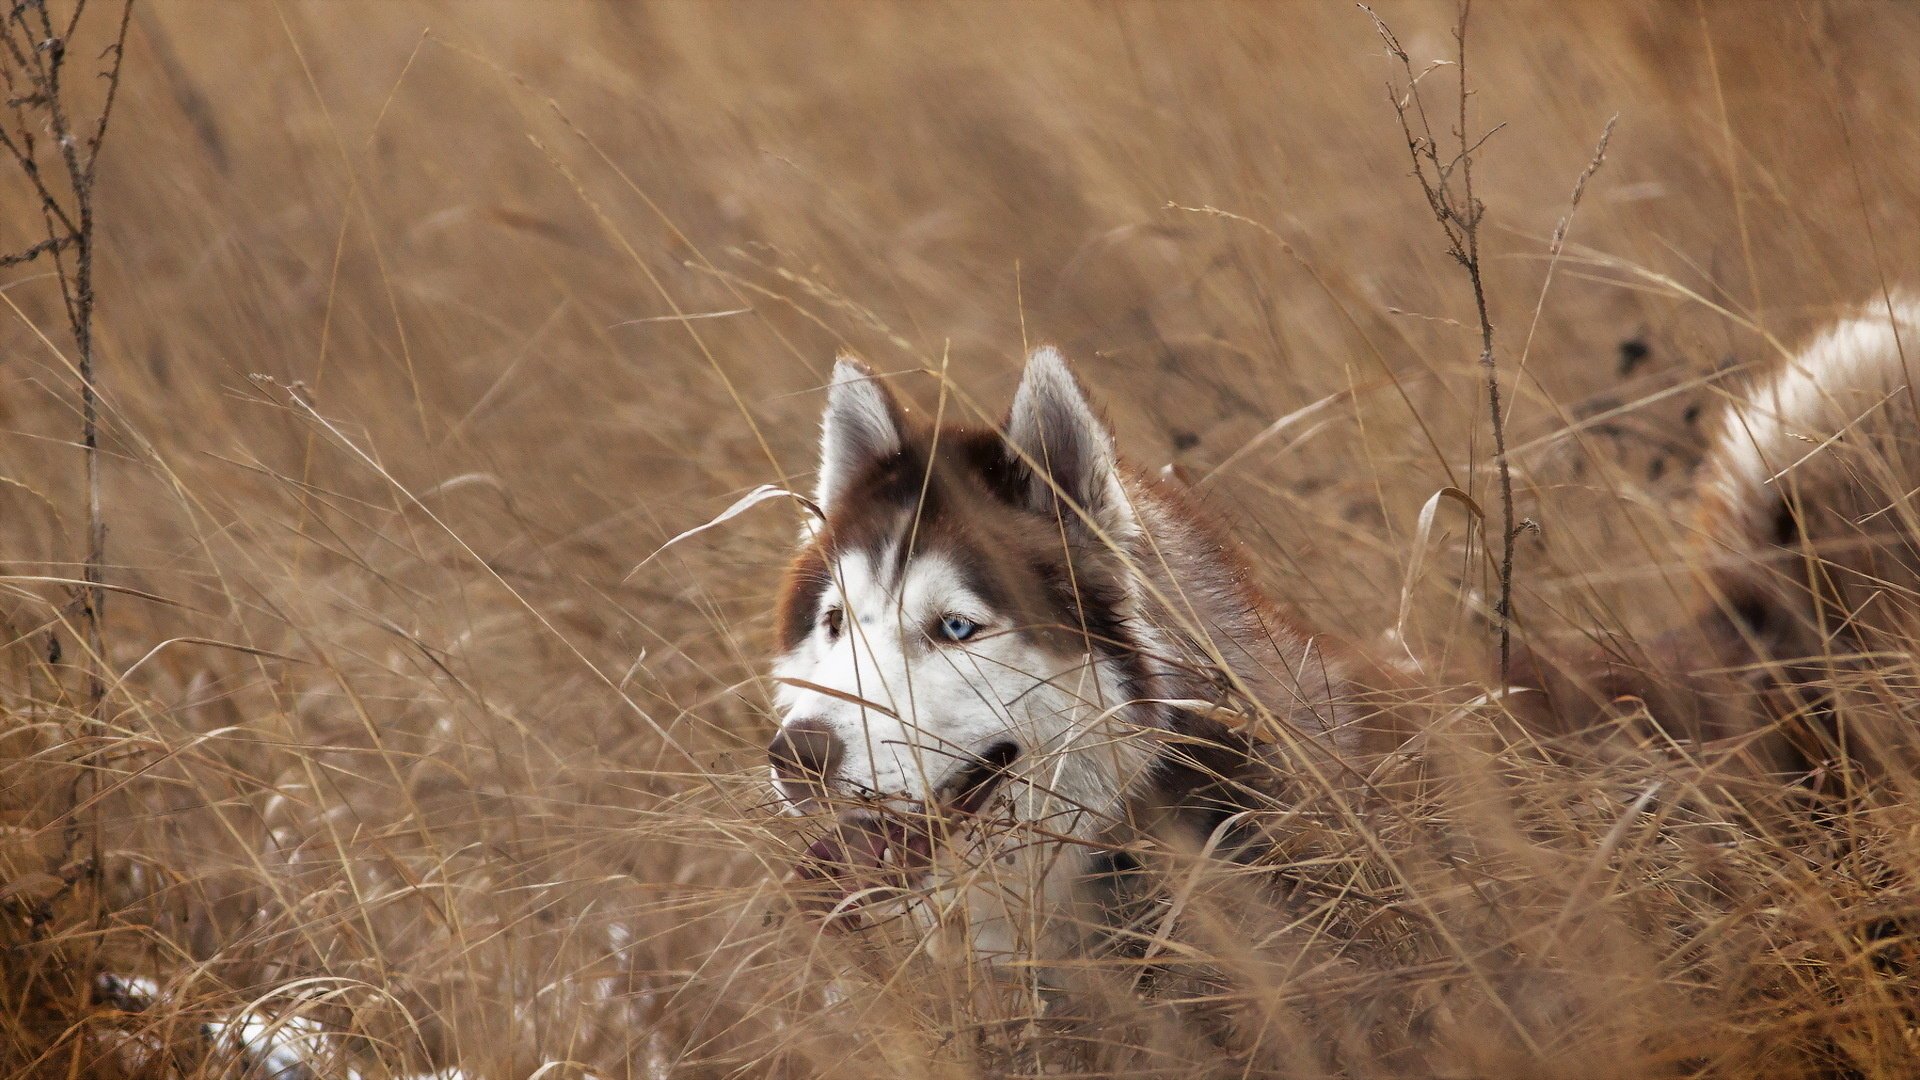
x=877 y=849
x=805 y=754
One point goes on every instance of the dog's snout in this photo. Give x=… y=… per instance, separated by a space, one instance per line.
x=805 y=754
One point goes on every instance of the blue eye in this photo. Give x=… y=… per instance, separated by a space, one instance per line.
x=957 y=627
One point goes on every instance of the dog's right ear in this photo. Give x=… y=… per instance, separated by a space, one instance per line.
x=862 y=427
x=1066 y=451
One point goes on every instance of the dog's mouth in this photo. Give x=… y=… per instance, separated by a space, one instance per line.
x=969 y=792
x=875 y=853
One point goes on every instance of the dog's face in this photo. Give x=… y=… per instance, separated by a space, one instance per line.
x=956 y=635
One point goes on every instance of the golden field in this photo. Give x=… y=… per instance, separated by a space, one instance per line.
x=423 y=325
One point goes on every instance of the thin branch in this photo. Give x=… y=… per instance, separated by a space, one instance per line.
x=1448 y=188
x=33 y=66
x=119 y=51
x=50 y=244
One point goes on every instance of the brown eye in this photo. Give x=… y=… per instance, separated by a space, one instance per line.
x=832 y=619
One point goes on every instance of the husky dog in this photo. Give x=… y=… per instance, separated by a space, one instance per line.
x=1000 y=649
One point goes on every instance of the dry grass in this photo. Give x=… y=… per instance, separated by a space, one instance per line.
x=415 y=341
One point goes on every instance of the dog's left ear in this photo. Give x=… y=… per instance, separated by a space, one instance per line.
x=1066 y=450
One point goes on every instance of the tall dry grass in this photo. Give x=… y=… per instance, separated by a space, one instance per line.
x=422 y=325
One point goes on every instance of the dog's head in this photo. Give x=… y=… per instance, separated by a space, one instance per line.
x=958 y=634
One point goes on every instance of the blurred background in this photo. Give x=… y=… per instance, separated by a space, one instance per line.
x=422 y=325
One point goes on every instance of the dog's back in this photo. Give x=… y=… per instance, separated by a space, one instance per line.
x=1805 y=557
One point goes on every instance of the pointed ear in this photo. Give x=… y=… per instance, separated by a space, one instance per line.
x=862 y=426
x=1067 y=448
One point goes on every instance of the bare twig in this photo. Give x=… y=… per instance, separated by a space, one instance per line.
x=1446 y=179
x=33 y=69
x=1557 y=245
x=58 y=161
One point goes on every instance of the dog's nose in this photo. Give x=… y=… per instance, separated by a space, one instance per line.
x=805 y=754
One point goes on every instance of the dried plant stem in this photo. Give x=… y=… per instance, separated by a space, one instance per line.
x=1448 y=186
x=34 y=51
x=1495 y=413
x=33 y=68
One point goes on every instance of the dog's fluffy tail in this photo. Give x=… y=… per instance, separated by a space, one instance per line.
x=1808 y=553
x=1810 y=528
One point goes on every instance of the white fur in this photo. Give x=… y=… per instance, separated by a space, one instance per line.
x=1842 y=377
x=949 y=703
